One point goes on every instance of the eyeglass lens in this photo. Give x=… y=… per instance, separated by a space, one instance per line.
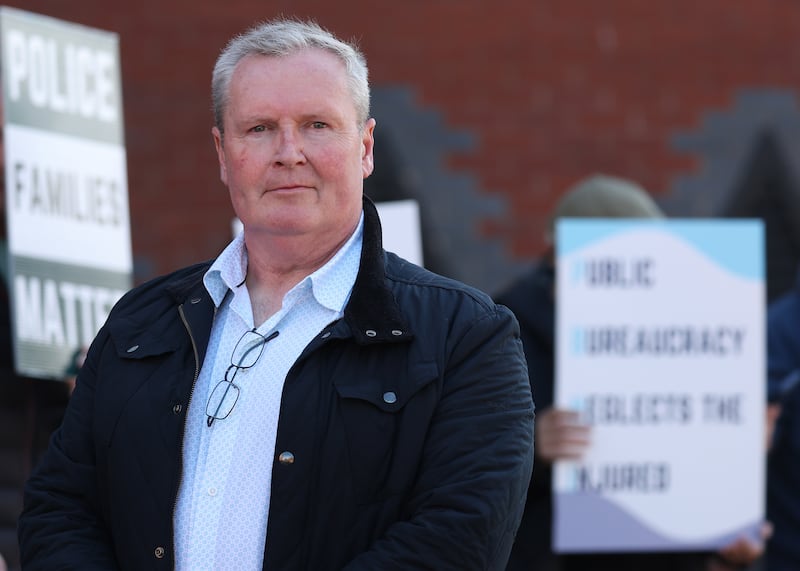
x=245 y=354
x=248 y=350
x=222 y=399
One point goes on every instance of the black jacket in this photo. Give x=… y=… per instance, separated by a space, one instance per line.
x=532 y=300
x=434 y=479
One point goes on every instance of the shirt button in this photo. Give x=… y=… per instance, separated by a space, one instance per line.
x=132 y=348
x=389 y=397
x=159 y=552
x=212 y=491
x=396 y=332
x=371 y=333
x=326 y=335
x=286 y=458
x=177 y=408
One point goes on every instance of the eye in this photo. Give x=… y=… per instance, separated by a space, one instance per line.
x=259 y=129
x=318 y=125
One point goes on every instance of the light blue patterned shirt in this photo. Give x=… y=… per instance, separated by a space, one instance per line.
x=223 y=501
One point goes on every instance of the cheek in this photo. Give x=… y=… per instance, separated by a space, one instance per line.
x=243 y=167
x=241 y=158
x=332 y=166
x=352 y=164
x=240 y=165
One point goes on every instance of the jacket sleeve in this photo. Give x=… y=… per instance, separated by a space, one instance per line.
x=468 y=499
x=61 y=526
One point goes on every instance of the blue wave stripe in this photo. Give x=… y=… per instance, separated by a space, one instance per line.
x=736 y=245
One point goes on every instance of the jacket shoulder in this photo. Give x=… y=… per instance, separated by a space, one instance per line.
x=170 y=288
x=414 y=282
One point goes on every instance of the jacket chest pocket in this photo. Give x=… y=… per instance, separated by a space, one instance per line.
x=385 y=421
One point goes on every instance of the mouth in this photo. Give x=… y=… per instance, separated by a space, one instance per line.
x=288 y=188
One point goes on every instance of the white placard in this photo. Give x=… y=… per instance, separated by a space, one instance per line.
x=401 y=229
x=660 y=347
x=66 y=193
x=69 y=204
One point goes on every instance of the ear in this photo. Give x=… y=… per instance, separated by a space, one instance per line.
x=367 y=144
x=218 y=144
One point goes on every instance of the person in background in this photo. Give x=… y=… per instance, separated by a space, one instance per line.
x=559 y=434
x=307 y=401
x=783 y=395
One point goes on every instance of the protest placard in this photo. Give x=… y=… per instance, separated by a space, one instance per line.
x=660 y=347
x=66 y=194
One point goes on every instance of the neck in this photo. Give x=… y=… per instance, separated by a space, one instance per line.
x=276 y=265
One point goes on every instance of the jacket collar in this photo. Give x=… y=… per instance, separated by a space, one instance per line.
x=372 y=312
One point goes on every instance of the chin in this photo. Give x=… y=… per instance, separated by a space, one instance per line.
x=279 y=227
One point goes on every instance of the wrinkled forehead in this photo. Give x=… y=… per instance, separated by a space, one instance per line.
x=311 y=75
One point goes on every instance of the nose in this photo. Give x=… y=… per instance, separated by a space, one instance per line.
x=289 y=149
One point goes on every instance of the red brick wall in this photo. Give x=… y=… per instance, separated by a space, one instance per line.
x=552 y=89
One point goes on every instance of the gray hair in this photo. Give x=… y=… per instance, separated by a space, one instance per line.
x=281 y=38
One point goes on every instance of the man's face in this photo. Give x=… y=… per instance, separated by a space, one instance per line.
x=294 y=154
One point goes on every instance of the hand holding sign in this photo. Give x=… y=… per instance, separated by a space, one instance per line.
x=560 y=435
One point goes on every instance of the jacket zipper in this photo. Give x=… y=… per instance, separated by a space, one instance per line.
x=185 y=420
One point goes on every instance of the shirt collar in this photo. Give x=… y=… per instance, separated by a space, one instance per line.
x=228 y=270
x=331 y=284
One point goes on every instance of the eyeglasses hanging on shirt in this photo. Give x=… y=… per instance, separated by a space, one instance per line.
x=246 y=353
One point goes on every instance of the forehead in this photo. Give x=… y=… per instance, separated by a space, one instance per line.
x=311 y=75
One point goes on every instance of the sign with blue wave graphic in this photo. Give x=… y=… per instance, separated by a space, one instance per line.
x=660 y=348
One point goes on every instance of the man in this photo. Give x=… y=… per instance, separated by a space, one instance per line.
x=559 y=433
x=307 y=401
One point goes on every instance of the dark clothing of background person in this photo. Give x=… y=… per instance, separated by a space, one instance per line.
x=532 y=299
x=783 y=463
x=30 y=410
x=433 y=478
